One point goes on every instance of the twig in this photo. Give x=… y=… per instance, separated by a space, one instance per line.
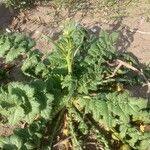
x=128 y=66
x=23 y=125
x=115 y=71
x=147 y=81
x=120 y=64
x=62 y=141
x=90 y=143
x=55 y=127
x=140 y=72
x=138 y=31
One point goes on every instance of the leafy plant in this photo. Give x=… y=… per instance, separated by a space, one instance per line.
x=29 y=138
x=14 y=44
x=74 y=92
x=19 y=101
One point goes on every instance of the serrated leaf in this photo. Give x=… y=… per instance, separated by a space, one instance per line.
x=13 y=142
x=46 y=113
x=14 y=139
x=16 y=115
x=31 y=43
x=14 y=53
x=5 y=47
x=35 y=111
x=113 y=109
x=19 y=37
x=30 y=146
x=40 y=67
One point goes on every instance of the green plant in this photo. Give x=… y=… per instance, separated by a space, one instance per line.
x=13 y=45
x=73 y=92
x=19 y=4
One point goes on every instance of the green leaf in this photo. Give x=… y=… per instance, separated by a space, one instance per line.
x=112 y=109
x=31 y=43
x=35 y=111
x=14 y=53
x=46 y=113
x=16 y=114
x=19 y=38
x=5 y=47
x=16 y=141
x=13 y=142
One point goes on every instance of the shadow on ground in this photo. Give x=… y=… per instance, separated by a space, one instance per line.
x=6 y=16
x=126 y=37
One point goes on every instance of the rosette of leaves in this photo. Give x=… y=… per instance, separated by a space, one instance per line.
x=85 y=99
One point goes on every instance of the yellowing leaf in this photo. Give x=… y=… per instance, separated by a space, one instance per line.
x=142 y=127
x=125 y=147
x=119 y=87
x=65 y=132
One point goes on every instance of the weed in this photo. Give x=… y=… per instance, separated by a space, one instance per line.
x=76 y=90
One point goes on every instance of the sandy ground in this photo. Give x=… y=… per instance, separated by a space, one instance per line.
x=134 y=29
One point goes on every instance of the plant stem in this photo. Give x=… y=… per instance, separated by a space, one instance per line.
x=56 y=126
x=69 y=64
x=69 y=57
x=76 y=144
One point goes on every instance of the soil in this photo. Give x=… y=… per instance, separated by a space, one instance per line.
x=41 y=21
x=45 y=20
x=6 y=16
